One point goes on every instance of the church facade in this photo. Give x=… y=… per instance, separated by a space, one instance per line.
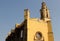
x=33 y=29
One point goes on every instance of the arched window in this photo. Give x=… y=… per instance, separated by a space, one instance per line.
x=21 y=34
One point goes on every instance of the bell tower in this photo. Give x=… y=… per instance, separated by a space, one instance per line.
x=33 y=29
x=40 y=29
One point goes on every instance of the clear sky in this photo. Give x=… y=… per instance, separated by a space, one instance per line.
x=12 y=12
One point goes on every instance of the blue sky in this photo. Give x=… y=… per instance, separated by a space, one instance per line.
x=12 y=12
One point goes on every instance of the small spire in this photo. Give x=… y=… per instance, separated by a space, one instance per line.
x=26 y=13
x=44 y=11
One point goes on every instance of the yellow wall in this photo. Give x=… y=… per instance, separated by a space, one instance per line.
x=34 y=25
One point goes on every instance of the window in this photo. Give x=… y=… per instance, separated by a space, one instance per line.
x=21 y=33
x=38 y=36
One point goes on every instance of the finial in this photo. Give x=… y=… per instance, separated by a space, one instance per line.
x=43 y=2
x=43 y=5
